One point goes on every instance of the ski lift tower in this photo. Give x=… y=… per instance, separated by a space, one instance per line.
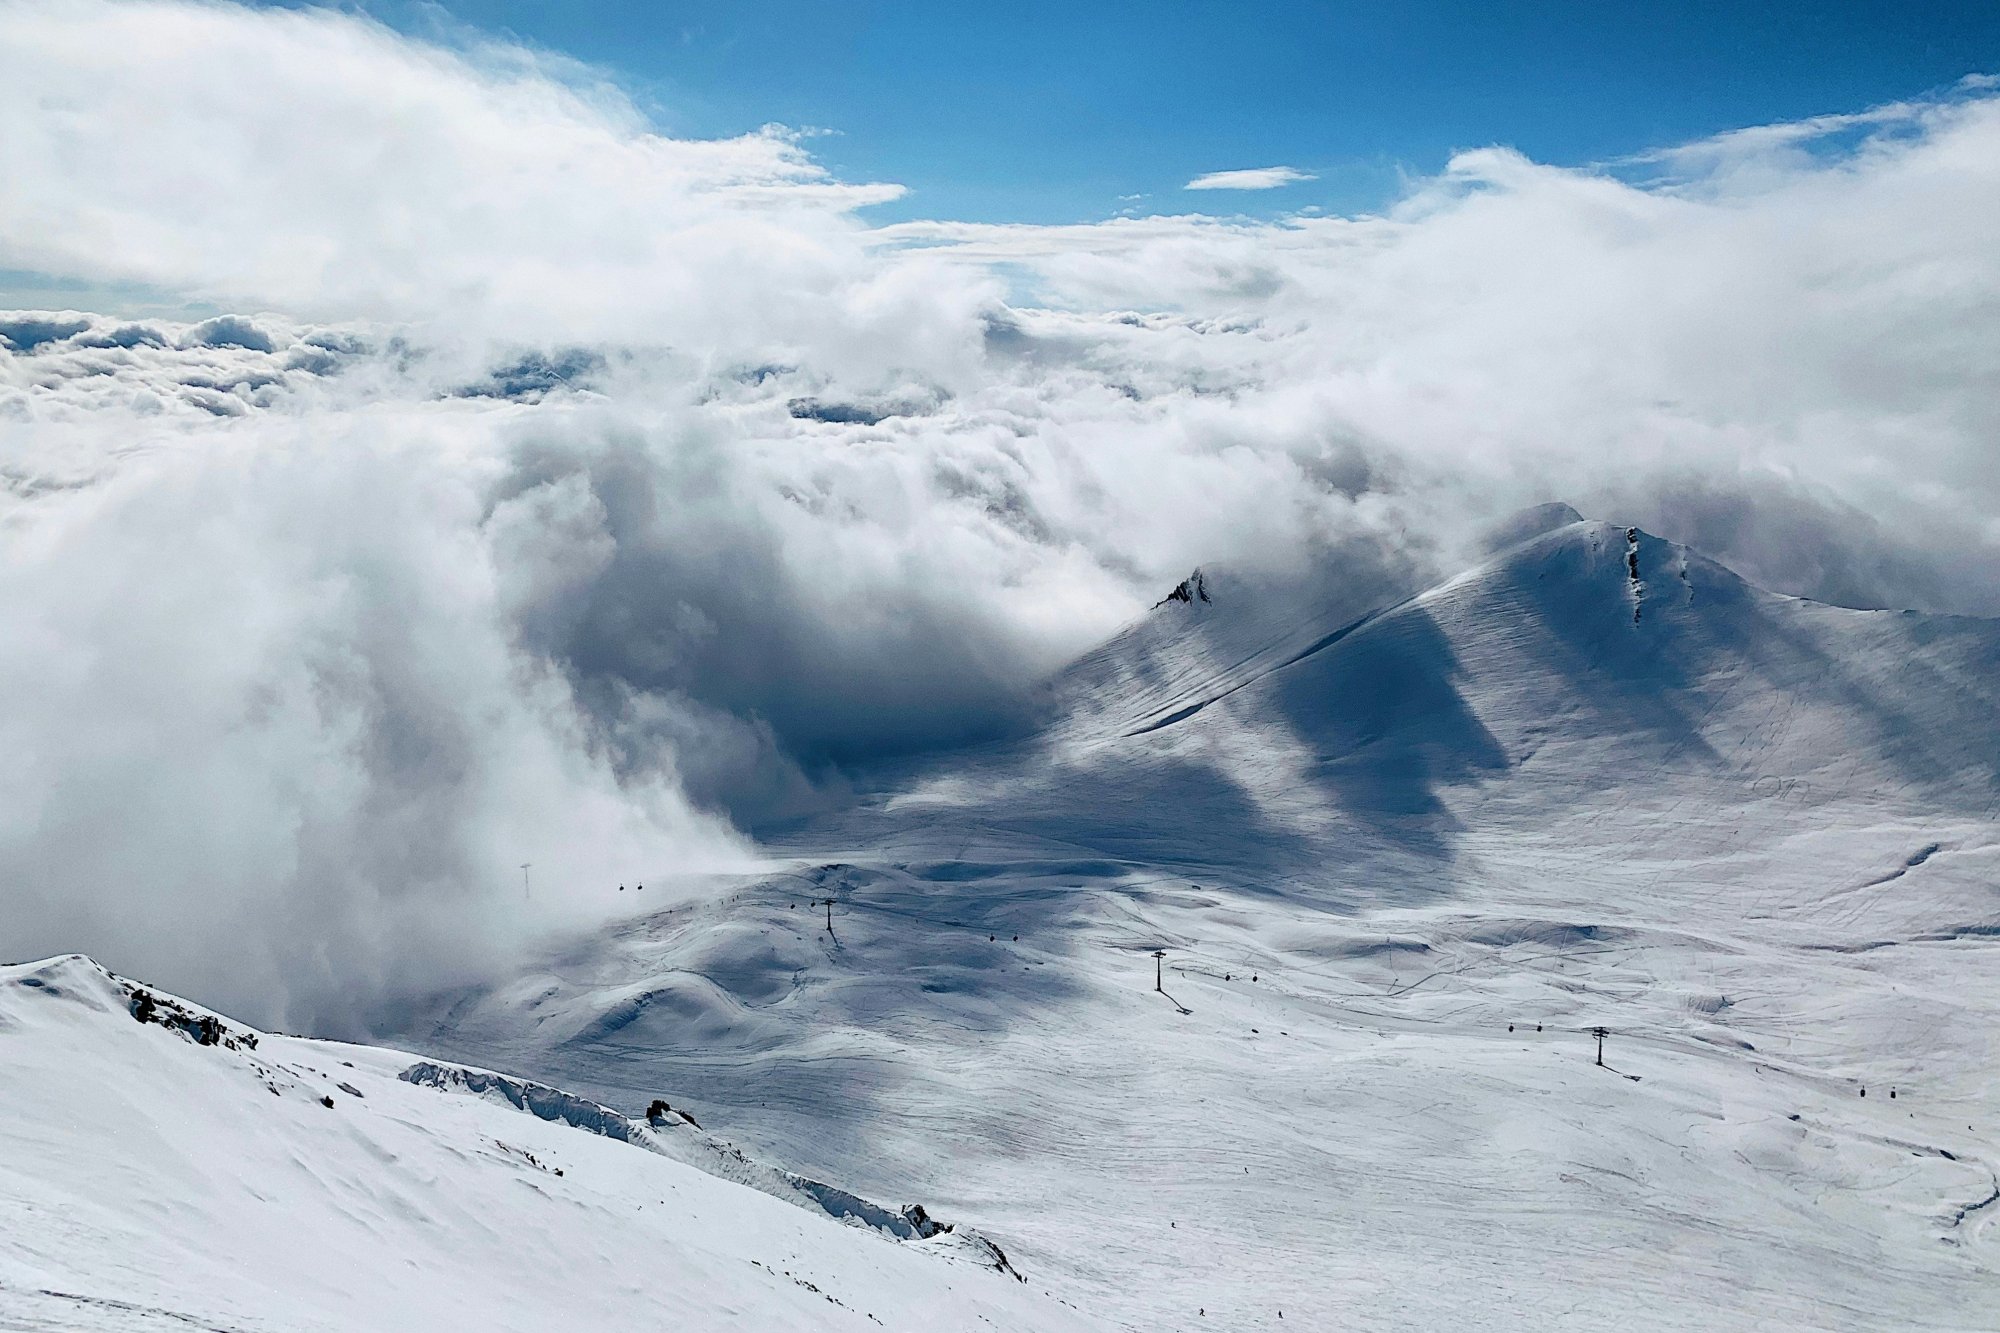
x=1159 y=970
x=1600 y=1034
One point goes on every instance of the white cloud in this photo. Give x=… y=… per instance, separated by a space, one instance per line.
x=601 y=494
x=318 y=162
x=1250 y=178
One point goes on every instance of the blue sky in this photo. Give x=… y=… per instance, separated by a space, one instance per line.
x=1044 y=112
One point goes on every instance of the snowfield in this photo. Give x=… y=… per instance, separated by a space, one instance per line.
x=1402 y=858
x=618 y=714
x=184 y=1172
x=1402 y=855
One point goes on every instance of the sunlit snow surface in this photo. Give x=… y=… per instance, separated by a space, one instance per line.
x=153 y=1181
x=1401 y=860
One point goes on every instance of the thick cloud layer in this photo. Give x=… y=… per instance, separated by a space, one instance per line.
x=599 y=498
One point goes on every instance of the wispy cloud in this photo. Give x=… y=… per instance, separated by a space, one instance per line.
x=1250 y=178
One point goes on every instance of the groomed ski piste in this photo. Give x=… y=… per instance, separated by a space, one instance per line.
x=1400 y=856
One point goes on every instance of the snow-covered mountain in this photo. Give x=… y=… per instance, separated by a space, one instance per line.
x=1402 y=858
x=183 y=1171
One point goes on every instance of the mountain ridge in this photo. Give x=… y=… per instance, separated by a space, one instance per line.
x=159 y=1171
x=1396 y=881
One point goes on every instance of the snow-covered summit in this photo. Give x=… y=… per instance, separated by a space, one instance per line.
x=1528 y=524
x=1588 y=659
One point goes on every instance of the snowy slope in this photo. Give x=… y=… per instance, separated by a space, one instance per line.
x=1583 y=667
x=184 y=1172
x=1216 y=633
x=1402 y=859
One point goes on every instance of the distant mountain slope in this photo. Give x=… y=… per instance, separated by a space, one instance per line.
x=182 y=1171
x=1400 y=860
x=1592 y=624
x=1591 y=665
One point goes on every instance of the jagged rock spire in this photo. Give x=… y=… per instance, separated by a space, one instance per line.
x=1193 y=588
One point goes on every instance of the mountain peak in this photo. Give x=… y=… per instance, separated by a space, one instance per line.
x=1193 y=588
x=1527 y=524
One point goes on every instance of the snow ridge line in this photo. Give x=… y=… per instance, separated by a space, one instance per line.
x=911 y=1223
x=1318 y=645
x=538 y=1099
x=547 y=1103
